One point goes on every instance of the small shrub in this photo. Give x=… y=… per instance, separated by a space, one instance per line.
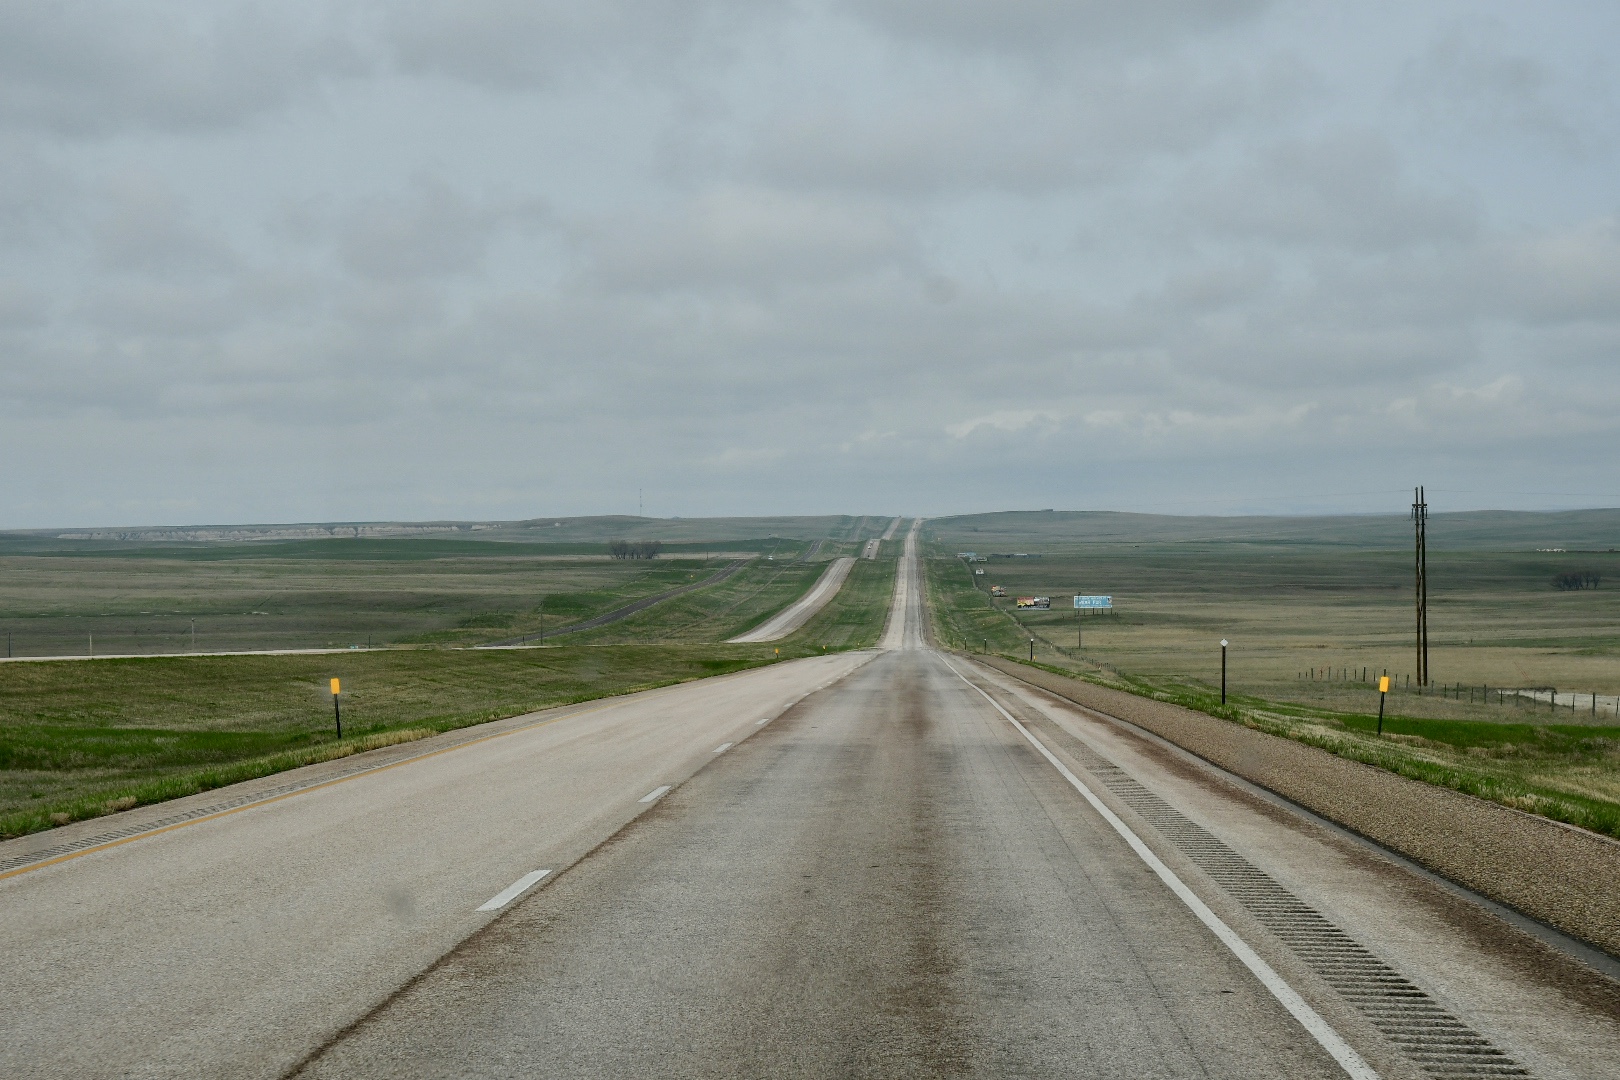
x=1578 y=579
x=635 y=549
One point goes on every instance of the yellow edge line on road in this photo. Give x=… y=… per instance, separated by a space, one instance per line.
x=301 y=791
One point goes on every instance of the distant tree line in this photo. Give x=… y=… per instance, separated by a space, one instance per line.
x=635 y=549
x=1579 y=579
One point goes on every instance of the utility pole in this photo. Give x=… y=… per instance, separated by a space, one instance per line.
x=1420 y=523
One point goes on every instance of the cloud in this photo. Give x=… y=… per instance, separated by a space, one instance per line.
x=1345 y=189
x=143 y=226
x=738 y=237
x=520 y=44
x=1010 y=421
x=1473 y=82
x=88 y=69
x=1041 y=25
x=309 y=261
x=428 y=230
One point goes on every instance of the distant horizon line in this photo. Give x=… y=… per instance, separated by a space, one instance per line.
x=447 y=525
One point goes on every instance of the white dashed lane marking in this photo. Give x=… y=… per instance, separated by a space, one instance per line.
x=514 y=890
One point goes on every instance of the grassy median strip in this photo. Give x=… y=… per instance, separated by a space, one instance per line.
x=1569 y=772
x=65 y=597
x=79 y=739
x=83 y=738
x=720 y=611
x=854 y=618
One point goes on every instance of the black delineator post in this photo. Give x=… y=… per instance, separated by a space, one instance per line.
x=337 y=710
x=1223 y=671
x=1032 y=650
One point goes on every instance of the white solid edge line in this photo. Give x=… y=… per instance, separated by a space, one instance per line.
x=1331 y=1041
x=722 y=748
x=513 y=891
x=655 y=793
x=763 y=722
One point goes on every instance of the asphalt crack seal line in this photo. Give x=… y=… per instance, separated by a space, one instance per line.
x=1330 y=1040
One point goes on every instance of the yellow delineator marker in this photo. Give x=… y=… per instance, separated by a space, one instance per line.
x=1383 y=692
x=336 y=711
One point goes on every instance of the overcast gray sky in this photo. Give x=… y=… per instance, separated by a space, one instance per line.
x=510 y=258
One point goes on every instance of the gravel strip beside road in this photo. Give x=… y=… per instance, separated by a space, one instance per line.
x=1566 y=877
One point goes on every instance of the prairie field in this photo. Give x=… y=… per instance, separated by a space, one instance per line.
x=137 y=599
x=1312 y=620
x=82 y=737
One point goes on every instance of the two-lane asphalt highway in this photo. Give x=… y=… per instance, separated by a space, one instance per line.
x=923 y=868
x=883 y=883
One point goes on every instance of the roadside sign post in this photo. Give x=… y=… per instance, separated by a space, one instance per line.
x=337 y=711
x=1383 y=692
x=1223 y=671
x=1088 y=603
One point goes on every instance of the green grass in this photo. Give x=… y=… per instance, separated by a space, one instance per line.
x=79 y=739
x=718 y=612
x=854 y=618
x=314 y=594
x=550 y=531
x=1568 y=772
x=1290 y=607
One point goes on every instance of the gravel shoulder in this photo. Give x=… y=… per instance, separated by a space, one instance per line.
x=1563 y=876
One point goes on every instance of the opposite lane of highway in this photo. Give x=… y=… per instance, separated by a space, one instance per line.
x=232 y=947
x=802 y=610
